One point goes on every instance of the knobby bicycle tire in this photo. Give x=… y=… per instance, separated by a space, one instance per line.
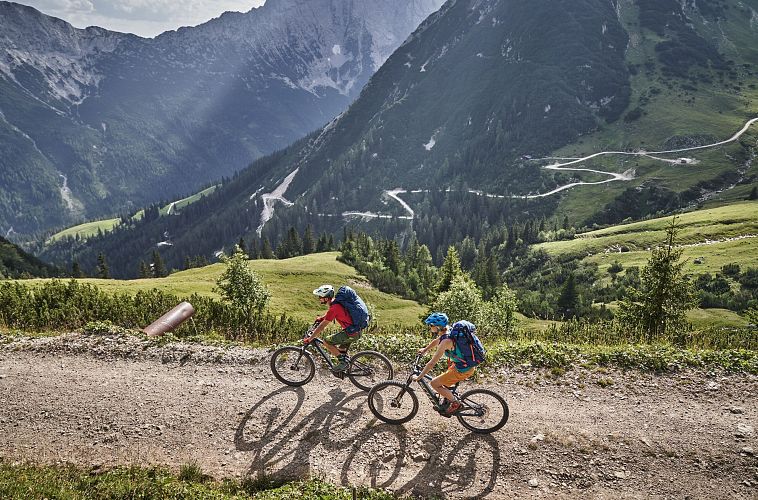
x=367 y=368
x=493 y=404
x=381 y=399
x=295 y=361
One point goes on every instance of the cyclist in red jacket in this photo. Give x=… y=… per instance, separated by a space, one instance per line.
x=337 y=343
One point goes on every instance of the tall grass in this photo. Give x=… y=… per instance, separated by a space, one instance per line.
x=614 y=333
x=57 y=305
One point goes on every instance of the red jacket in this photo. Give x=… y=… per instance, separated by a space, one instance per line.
x=336 y=311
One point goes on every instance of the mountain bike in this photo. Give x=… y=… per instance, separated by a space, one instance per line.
x=395 y=402
x=295 y=366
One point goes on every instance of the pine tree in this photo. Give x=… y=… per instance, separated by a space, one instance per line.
x=266 y=251
x=243 y=246
x=102 y=267
x=294 y=245
x=254 y=252
x=187 y=264
x=753 y=193
x=144 y=270
x=309 y=244
x=568 y=302
x=392 y=256
x=321 y=243
x=159 y=268
x=451 y=269
x=493 y=275
x=658 y=306
x=76 y=270
x=468 y=253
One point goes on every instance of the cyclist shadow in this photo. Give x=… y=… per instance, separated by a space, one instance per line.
x=468 y=466
x=281 y=449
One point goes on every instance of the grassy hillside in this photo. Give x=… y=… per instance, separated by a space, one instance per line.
x=89 y=229
x=668 y=107
x=291 y=282
x=85 y=230
x=179 y=204
x=710 y=234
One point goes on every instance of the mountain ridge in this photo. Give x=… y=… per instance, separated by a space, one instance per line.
x=129 y=121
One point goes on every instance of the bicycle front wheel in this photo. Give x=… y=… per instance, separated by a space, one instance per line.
x=368 y=368
x=483 y=411
x=293 y=366
x=393 y=402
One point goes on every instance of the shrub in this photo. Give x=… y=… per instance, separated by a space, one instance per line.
x=463 y=300
x=242 y=286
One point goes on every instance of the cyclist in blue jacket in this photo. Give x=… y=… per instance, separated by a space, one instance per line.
x=438 y=325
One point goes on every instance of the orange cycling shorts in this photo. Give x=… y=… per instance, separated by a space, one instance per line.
x=452 y=376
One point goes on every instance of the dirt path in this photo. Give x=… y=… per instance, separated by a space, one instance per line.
x=107 y=401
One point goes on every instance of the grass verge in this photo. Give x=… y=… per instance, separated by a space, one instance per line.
x=656 y=357
x=29 y=481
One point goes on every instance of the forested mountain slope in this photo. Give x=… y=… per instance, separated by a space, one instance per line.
x=445 y=140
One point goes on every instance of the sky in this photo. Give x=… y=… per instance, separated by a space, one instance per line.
x=146 y=18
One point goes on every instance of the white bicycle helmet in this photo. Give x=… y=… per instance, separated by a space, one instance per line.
x=324 y=291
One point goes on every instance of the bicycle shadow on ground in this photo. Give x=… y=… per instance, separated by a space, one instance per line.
x=267 y=415
x=454 y=464
x=283 y=450
x=355 y=449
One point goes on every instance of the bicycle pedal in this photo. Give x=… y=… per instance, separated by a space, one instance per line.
x=339 y=375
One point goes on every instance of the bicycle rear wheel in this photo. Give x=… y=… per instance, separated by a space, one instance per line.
x=367 y=368
x=293 y=366
x=483 y=411
x=393 y=402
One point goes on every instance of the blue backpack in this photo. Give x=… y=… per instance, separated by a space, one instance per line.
x=355 y=307
x=472 y=351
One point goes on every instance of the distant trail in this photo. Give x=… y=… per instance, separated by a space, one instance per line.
x=627 y=175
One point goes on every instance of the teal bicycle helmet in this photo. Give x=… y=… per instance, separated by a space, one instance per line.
x=437 y=319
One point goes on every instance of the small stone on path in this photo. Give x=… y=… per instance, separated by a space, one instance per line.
x=533 y=483
x=744 y=430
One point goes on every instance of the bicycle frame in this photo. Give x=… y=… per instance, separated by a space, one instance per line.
x=318 y=345
x=425 y=384
x=432 y=395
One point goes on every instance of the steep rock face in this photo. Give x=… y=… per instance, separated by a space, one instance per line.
x=123 y=120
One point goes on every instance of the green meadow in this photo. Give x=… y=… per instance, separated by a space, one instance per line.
x=290 y=281
x=89 y=229
x=714 y=236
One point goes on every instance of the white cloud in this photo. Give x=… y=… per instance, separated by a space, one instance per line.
x=143 y=17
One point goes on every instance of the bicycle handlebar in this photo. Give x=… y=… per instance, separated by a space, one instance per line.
x=415 y=366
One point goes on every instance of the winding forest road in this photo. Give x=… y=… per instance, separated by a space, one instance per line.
x=104 y=401
x=565 y=165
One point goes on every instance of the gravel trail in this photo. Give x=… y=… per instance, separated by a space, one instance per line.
x=103 y=401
